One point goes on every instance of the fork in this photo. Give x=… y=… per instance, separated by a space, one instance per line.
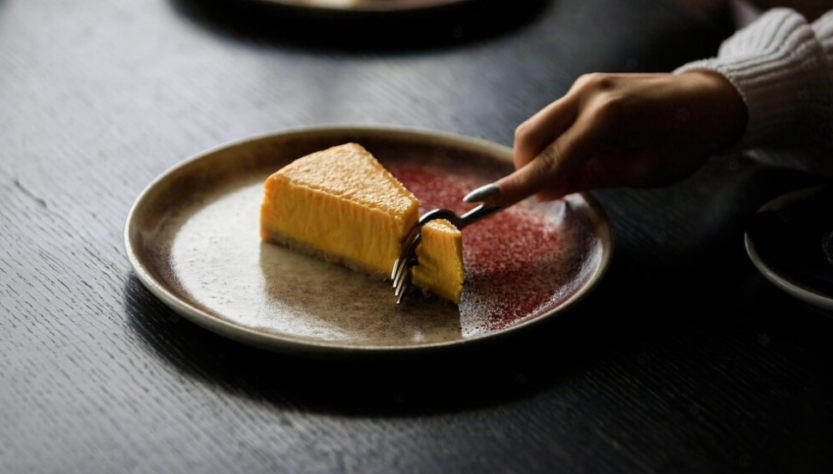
x=401 y=274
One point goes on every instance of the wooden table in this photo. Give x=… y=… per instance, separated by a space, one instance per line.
x=684 y=360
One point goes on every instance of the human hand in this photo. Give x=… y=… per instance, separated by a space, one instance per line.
x=621 y=130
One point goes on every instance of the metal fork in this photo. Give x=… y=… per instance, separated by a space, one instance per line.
x=401 y=274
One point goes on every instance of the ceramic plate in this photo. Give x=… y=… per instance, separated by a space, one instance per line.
x=368 y=6
x=192 y=238
x=782 y=280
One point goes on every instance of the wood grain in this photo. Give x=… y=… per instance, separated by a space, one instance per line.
x=684 y=360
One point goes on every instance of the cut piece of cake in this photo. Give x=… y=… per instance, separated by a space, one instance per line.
x=440 y=253
x=341 y=205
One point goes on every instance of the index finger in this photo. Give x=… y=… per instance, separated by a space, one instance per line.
x=550 y=169
x=542 y=129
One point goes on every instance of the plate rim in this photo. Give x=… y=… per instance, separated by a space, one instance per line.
x=289 y=344
x=375 y=8
x=789 y=286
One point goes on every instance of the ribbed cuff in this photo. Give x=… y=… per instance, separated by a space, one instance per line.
x=823 y=28
x=780 y=70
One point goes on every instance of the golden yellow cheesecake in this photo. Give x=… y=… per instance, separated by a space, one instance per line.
x=440 y=269
x=341 y=205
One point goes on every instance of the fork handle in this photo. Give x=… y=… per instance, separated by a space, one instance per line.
x=475 y=215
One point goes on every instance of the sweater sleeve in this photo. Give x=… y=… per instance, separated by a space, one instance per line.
x=781 y=66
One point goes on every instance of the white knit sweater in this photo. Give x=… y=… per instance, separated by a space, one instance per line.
x=781 y=65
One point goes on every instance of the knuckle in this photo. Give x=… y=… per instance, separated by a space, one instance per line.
x=538 y=177
x=549 y=158
x=611 y=107
x=522 y=132
x=596 y=81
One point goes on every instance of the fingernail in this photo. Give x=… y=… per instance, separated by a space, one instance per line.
x=483 y=193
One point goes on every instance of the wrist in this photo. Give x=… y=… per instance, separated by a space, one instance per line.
x=719 y=103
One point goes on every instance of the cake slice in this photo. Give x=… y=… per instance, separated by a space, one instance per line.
x=341 y=205
x=440 y=253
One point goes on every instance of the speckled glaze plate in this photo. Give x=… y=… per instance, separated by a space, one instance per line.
x=362 y=6
x=192 y=238
x=784 y=281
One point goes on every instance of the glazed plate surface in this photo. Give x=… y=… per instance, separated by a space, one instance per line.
x=781 y=279
x=365 y=6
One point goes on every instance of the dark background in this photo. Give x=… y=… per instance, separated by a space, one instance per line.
x=684 y=360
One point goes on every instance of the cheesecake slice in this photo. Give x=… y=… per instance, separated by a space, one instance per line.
x=440 y=253
x=341 y=205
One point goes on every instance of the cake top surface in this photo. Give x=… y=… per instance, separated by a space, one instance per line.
x=351 y=173
x=442 y=226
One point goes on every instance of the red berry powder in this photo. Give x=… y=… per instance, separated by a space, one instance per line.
x=519 y=263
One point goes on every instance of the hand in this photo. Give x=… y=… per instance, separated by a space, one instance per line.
x=621 y=130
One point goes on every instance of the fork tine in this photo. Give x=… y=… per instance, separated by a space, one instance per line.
x=395 y=268
x=403 y=254
x=406 y=259
x=401 y=294
x=397 y=284
x=404 y=274
x=404 y=268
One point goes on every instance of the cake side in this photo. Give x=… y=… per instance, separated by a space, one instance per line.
x=278 y=238
x=440 y=254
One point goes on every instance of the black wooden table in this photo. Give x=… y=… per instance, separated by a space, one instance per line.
x=684 y=360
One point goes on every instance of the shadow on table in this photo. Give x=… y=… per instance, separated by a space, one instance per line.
x=361 y=31
x=683 y=265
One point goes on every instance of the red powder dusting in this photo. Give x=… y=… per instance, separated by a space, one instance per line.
x=518 y=263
